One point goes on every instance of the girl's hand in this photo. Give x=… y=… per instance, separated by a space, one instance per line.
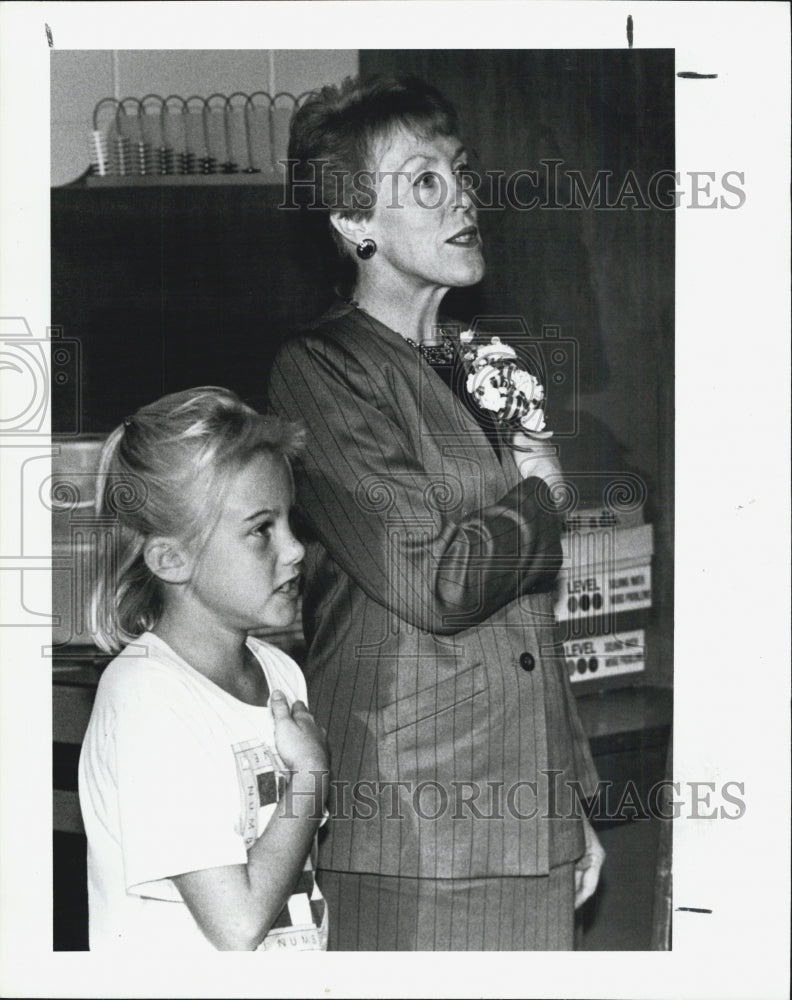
x=536 y=458
x=235 y=905
x=300 y=742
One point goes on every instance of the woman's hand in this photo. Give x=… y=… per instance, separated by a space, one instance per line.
x=587 y=869
x=536 y=458
x=300 y=742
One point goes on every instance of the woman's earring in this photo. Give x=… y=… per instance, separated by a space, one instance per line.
x=366 y=249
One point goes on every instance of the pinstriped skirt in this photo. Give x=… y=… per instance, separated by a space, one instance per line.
x=387 y=913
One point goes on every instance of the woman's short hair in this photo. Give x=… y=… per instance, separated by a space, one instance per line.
x=163 y=472
x=334 y=133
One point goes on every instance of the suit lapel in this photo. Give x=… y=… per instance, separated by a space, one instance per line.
x=446 y=437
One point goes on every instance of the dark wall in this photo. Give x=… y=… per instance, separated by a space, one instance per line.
x=170 y=287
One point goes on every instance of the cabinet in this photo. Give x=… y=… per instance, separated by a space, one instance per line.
x=629 y=731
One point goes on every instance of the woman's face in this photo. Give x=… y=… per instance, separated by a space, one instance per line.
x=424 y=222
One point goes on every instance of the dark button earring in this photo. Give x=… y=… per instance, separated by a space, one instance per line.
x=366 y=249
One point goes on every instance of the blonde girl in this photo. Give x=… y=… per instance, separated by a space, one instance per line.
x=202 y=773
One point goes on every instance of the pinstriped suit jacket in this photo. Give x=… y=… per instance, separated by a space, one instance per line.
x=427 y=583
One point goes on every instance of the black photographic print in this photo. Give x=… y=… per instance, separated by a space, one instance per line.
x=580 y=765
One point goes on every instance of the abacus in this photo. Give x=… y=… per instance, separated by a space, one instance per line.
x=235 y=138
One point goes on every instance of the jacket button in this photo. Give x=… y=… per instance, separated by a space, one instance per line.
x=527 y=662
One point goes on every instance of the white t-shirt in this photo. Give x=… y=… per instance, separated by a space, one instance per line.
x=177 y=775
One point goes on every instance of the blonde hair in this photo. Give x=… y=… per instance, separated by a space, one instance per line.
x=163 y=472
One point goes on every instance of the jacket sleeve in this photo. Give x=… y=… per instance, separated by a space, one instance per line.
x=384 y=519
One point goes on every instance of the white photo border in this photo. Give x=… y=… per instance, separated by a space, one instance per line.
x=732 y=495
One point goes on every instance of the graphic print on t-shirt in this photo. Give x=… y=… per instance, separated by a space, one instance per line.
x=262 y=779
x=302 y=923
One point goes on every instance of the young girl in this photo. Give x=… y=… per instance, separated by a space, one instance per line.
x=202 y=774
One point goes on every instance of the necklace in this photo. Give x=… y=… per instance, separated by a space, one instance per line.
x=435 y=353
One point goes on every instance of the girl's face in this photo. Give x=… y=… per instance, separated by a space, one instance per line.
x=247 y=572
x=424 y=222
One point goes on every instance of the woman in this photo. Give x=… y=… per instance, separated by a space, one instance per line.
x=432 y=658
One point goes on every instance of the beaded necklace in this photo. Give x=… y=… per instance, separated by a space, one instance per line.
x=436 y=354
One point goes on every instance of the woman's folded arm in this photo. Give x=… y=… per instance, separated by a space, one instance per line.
x=377 y=512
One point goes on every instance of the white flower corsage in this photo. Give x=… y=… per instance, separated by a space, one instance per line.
x=497 y=383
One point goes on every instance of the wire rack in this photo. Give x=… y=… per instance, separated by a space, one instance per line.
x=222 y=138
